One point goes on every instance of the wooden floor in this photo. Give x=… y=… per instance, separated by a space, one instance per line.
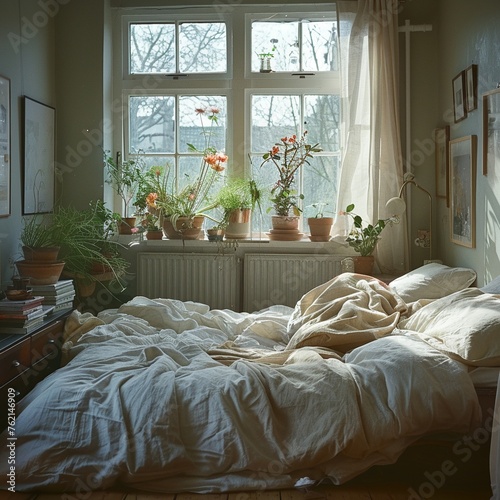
x=356 y=492
x=416 y=476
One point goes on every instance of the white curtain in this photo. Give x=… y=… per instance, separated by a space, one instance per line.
x=372 y=166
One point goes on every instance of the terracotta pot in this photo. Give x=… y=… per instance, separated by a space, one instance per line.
x=320 y=228
x=40 y=273
x=364 y=265
x=45 y=254
x=239 y=224
x=126 y=225
x=154 y=235
x=186 y=228
x=287 y=222
x=215 y=234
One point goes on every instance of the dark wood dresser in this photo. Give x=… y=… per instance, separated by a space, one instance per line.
x=27 y=359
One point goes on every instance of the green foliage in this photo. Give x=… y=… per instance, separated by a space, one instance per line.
x=288 y=156
x=124 y=177
x=364 y=239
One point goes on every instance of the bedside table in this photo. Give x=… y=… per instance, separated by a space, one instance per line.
x=27 y=359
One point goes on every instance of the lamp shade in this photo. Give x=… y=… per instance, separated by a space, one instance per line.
x=395 y=206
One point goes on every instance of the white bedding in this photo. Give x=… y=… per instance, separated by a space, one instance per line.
x=169 y=396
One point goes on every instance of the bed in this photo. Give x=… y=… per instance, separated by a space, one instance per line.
x=169 y=396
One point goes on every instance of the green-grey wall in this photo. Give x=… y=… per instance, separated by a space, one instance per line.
x=463 y=33
x=27 y=47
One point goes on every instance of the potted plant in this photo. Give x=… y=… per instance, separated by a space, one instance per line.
x=265 y=57
x=287 y=156
x=319 y=225
x=151 y=224
x=185 y=207
x=364 y=239
x=84 y=238
x=237 y=198
x=124 y=177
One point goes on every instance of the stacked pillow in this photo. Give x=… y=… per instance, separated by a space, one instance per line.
x=432 y=281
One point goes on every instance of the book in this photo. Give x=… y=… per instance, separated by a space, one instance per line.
x=21 y=330
x=38 y=289
x=53 y=300
x=32 y=313
x=7 y=305
x=54 y=293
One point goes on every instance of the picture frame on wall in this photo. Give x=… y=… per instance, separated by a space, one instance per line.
x=442 y=141
x=39 y=157
x=471 y=87
x=459 y=105
x=491 y=131
x=463 y=152
x=5 y=169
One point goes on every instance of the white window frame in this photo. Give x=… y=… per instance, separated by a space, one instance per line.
x=237 y=84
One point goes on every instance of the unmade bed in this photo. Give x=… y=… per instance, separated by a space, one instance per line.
x=171 y=396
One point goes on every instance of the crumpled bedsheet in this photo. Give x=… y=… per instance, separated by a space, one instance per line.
x=168 y=396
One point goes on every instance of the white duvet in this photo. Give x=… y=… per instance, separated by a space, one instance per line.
x=169 y=396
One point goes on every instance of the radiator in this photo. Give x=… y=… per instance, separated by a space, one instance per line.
x=283 y=279
x=212 y=279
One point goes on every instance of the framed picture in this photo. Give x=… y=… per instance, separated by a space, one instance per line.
x=491 y=131
x=39 y=157
x=463 y=190
x=4 y=146
x=459 y=108
x=442 y=140
x=471 y=87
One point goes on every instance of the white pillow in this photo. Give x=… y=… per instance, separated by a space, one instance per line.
x=493 y=286
x=465 y=325
x=432 y=281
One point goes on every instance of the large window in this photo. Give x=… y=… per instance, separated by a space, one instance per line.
x=174 y=63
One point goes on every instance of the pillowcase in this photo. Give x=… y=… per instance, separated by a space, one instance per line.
x=432 y=281
x=465 y=325
x=492 y=286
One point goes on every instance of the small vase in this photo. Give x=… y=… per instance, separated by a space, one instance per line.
x=364 y=264
x=186 y=228
x=215 y=234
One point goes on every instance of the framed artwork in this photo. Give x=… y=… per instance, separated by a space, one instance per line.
x=4 y=146
x=463 y=153
x=459 y=107
x=39 y=157
x=442 y=140
x=471 y=87
x=491 y=131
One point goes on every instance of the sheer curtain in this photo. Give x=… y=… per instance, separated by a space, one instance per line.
x=372 y=166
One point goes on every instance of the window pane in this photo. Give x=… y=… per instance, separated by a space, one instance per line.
x=202 y=48
x=322 y=118
x=320 y=180
x=152 y=48
x=152 y=120
x=197 y=129
x=319 y=46
x=279 y=39
x=273 y=117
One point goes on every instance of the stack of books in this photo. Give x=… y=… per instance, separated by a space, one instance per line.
x=22 y=316
x=60 y=295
